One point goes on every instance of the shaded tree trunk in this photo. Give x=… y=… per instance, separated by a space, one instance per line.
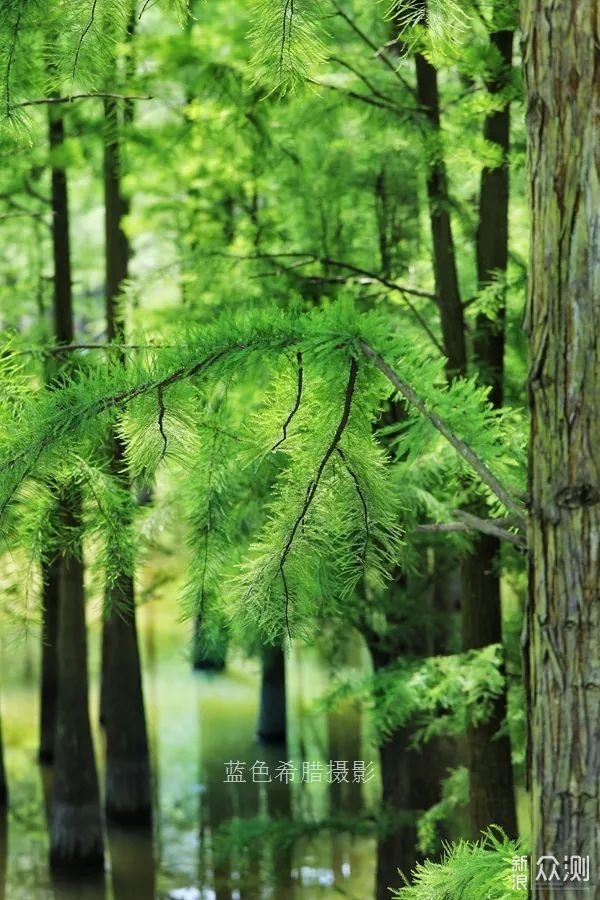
x=444 y=260
x=3 y=784
x=562 y=77
x=76 y=830
x=76 y=843
x=490 y=765
x=272 y=716
x=128 y=796
x=49 y=673
x=481 y=607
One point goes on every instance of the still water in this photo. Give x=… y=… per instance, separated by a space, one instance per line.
x=198 y=723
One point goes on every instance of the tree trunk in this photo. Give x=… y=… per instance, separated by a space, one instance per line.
x=444 y=261
x=3 y=784
x=128 y=797
x=63 y=334
x=49 y=673
x=562 y=77
x=272 y=717
x=490 y=765
x=76 y=844
x=76 y=828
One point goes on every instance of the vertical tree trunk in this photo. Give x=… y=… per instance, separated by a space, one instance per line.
x=128 y=796
x=3 y=784
x=76 y=844
x=562 y=77
x=272 y=716
x=490 y=765
x=481 y=608
x=49 y=673
x=76 y=830
x=444 y=261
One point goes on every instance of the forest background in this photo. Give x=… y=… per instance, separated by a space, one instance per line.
x=263 y=280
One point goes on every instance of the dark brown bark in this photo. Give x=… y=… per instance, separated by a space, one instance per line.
x=62 y=308
x=3 y=850
x=49 y=673
x=128 y=795
x=444 y=261
x=561 y=64
x=272 y=716
x=3 y=784
x=76 y=844
x=490 y=765
x=76 y=829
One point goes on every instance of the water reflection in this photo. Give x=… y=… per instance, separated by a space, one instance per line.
x=69 y=890
x=198 y=723
x=132 y=865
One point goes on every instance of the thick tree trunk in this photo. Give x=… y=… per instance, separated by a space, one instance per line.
x=562 y=77
x=49 y=673
x=128 y=796
x=272 y=716
x=76 y=844
x=490 y=765
x=76 y=829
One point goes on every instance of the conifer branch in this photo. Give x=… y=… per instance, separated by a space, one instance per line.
x=363 y=502
x=468 y=523
x=296 y=404
x=314 y=484
x=39 y=101
x=467 y=452
x=83 y=34
x=161 y=418
x=11 y=56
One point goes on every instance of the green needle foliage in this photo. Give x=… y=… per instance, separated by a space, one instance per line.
x=332 y=509
x=480 y=870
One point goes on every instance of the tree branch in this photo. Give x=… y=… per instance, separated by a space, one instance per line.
x=469 y=523
x=467 y=452
x=69 y=99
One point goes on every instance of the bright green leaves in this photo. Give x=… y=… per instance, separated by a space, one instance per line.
x=288 y=41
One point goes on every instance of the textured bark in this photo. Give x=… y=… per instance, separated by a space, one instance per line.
x=562 y=75
x=76 y=843
x=76 y=828
x=489 y=757
x=128 y=794
x=49 y=673
x=272 y=716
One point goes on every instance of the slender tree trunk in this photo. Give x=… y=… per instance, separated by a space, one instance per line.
x=49 y=673
x=444 y=261
x=76 y=830
x=3 y=784
x=128 y=797
x=3 y=851
x=272 y=717
x=490 y=765
x=490 y=803
x=562 y=77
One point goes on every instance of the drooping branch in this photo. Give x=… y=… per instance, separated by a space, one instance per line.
x=83 y=34
x=467 y=452
x=314 y=484
x=161 y=418
x=363 y=502
x=296 y=403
